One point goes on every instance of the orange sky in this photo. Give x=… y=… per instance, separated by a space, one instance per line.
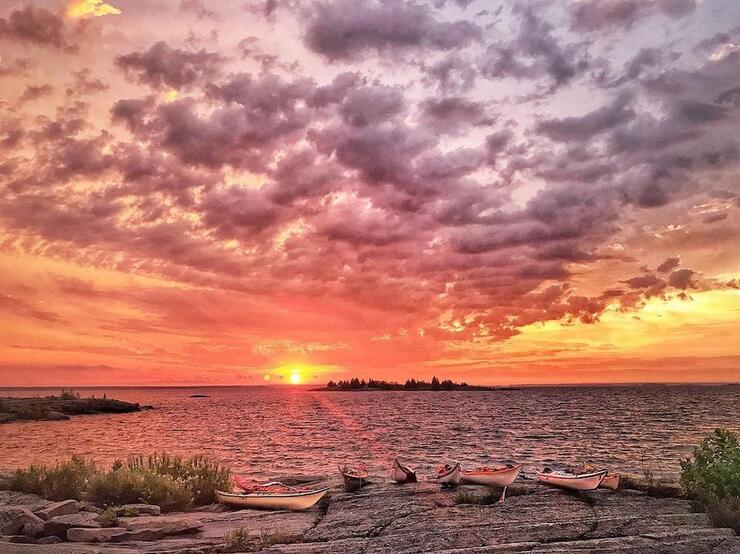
x=207 y=193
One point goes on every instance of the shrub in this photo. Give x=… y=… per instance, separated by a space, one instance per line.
x=28 y=480
x=712 y=478
x=60 y=482
x=131 y=486
x=199 y=475
x=108 y=518
x=714 y=472
x=69 y=394
x=238 y=540
x=170 y=482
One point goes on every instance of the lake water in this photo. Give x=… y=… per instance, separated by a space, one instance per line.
x=269 y=431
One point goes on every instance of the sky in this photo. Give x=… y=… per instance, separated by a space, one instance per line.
x=272 y=191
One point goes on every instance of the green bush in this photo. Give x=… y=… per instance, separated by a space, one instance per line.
x=170 y=482
x=132 y=486
x=714 y=472
x=712 y=478
x=109 y=518
x=28 y=480
x=200 y=476
x=60 y=482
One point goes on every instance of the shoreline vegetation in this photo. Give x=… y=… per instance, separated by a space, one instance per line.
x=62 y=407
x=356 y=384
x=78 y=501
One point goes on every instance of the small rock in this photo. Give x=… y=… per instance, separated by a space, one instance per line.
x=63 y=508
x=59 y=525
x=14 y=518
x=140 y=509
x=80 y=534
x=88 y=507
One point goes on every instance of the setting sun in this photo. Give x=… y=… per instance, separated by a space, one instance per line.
x=295 y=377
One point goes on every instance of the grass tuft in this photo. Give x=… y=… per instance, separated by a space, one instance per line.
x=725 y=513
x=238 y=540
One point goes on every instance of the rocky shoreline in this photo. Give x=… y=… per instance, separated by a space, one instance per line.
x=382 y=518
x=14 y=409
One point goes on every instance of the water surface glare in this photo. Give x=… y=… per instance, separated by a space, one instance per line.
x=269 y=431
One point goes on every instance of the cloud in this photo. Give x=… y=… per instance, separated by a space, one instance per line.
x=586 y=126
x=682 y=279
x=457 y=185
x=35 y=26
x=669 y=264
x=534 y=52
x=595 y=15
x=345 y=29
x=78 y=9
x=162 y=67
x=34 y=92
x=450 y=113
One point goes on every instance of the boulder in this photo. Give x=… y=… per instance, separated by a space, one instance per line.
x=60 y=524
x=105 y=534
x=34 y=529
x=14 y=518
x=63 y=508
x=139 y=509
x=30 y=501
x=153 y=530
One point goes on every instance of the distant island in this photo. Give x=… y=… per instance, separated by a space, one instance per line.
x=62 y=407
x=435 y=384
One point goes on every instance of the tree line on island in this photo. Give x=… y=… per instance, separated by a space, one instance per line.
x=356 y=384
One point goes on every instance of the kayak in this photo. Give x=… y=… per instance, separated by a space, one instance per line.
x=449 y=474
x=499 y=476
x=355 y=477
x=611 y=481
x=264 y=500
x=572 y=481
x=401 y=473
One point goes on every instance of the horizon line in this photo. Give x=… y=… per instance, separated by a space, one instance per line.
x=306 y=385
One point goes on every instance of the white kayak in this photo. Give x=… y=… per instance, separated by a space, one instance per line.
x=401 y=473
x=499 y=476
x=300 y=500
x=573 y=481
x=611 y=481
x=449 y=475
